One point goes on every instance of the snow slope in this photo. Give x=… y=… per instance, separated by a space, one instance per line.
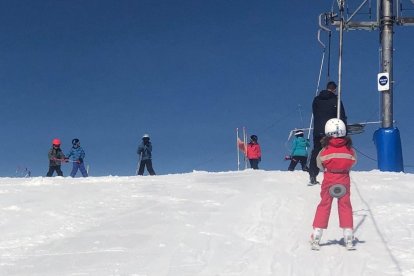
x=251 y=223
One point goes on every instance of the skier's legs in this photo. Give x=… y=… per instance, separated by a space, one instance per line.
x=83 y=170
x=75 y=168
x=292 y=165
x=50 y=172
x=254 y=164
x=303 y=160
x=59 y=171
x=141 y=167
x=345 y=210
x=323 y=210
x=313 y=168
x=149 y=167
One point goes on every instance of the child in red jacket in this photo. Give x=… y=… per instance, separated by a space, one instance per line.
x=336 y=160
x=254 y=153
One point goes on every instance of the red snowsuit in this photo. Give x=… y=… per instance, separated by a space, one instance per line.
x=336 y=160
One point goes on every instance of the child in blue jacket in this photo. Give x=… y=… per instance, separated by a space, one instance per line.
x=76 y=155
x=299 y=152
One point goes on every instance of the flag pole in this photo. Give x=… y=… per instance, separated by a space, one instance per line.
x=245 y=147
x=238 y=149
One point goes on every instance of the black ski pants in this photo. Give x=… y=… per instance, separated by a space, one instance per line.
x=298 y=159
x=317 y=147
x=146 y=163
x=254 y=164
x=52 y=169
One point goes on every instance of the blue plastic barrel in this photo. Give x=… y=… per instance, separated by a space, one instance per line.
x=389 y=150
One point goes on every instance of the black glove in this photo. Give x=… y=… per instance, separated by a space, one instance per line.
x=80 y=160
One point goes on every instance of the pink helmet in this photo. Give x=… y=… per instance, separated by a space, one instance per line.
x=56 y=142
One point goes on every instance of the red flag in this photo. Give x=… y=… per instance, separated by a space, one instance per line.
x=241 y=145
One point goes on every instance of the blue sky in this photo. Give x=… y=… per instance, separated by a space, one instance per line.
x=188 y=73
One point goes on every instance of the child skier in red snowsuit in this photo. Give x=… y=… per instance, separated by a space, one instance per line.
x=336 y=160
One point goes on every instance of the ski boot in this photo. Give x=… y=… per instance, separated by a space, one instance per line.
x=316 y=238
x=313 y=181
x=349 y=239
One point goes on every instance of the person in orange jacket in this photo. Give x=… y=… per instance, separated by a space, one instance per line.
x=336 y=159
x=254 y=153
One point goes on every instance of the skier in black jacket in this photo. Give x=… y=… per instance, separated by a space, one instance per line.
x=324 y=107
x=145 y=156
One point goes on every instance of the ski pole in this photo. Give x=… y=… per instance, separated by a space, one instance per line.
x=64 y=160
x=59 y=159
x=245 y=147
x=71 y=161
x=300 y=114
x=139 y=163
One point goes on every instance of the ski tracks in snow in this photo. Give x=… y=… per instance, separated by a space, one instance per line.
x=222 y=224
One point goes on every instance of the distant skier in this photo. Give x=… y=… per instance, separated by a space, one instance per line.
x=145 y=156
x=56 y=157
x=336 y=160
x=299 y=152
x=324 y=107
x=254 y=153
x=77 y=155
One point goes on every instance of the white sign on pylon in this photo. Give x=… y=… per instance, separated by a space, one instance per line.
x=383 y=81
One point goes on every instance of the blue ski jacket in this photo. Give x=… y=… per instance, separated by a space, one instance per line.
x=300 y=146
x=76 y=154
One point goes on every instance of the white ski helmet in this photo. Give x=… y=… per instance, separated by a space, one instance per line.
x=145 y=136
x=335 y=128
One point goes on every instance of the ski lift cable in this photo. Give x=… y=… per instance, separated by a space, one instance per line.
x=324 y=28
x=332 y=5
x=375 y=160
x=363 y=154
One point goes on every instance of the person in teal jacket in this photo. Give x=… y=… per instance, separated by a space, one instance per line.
x=299 y=152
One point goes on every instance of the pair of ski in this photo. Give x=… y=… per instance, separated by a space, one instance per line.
x=316 y=246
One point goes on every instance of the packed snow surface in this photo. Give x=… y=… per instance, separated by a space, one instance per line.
x=251 y=223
